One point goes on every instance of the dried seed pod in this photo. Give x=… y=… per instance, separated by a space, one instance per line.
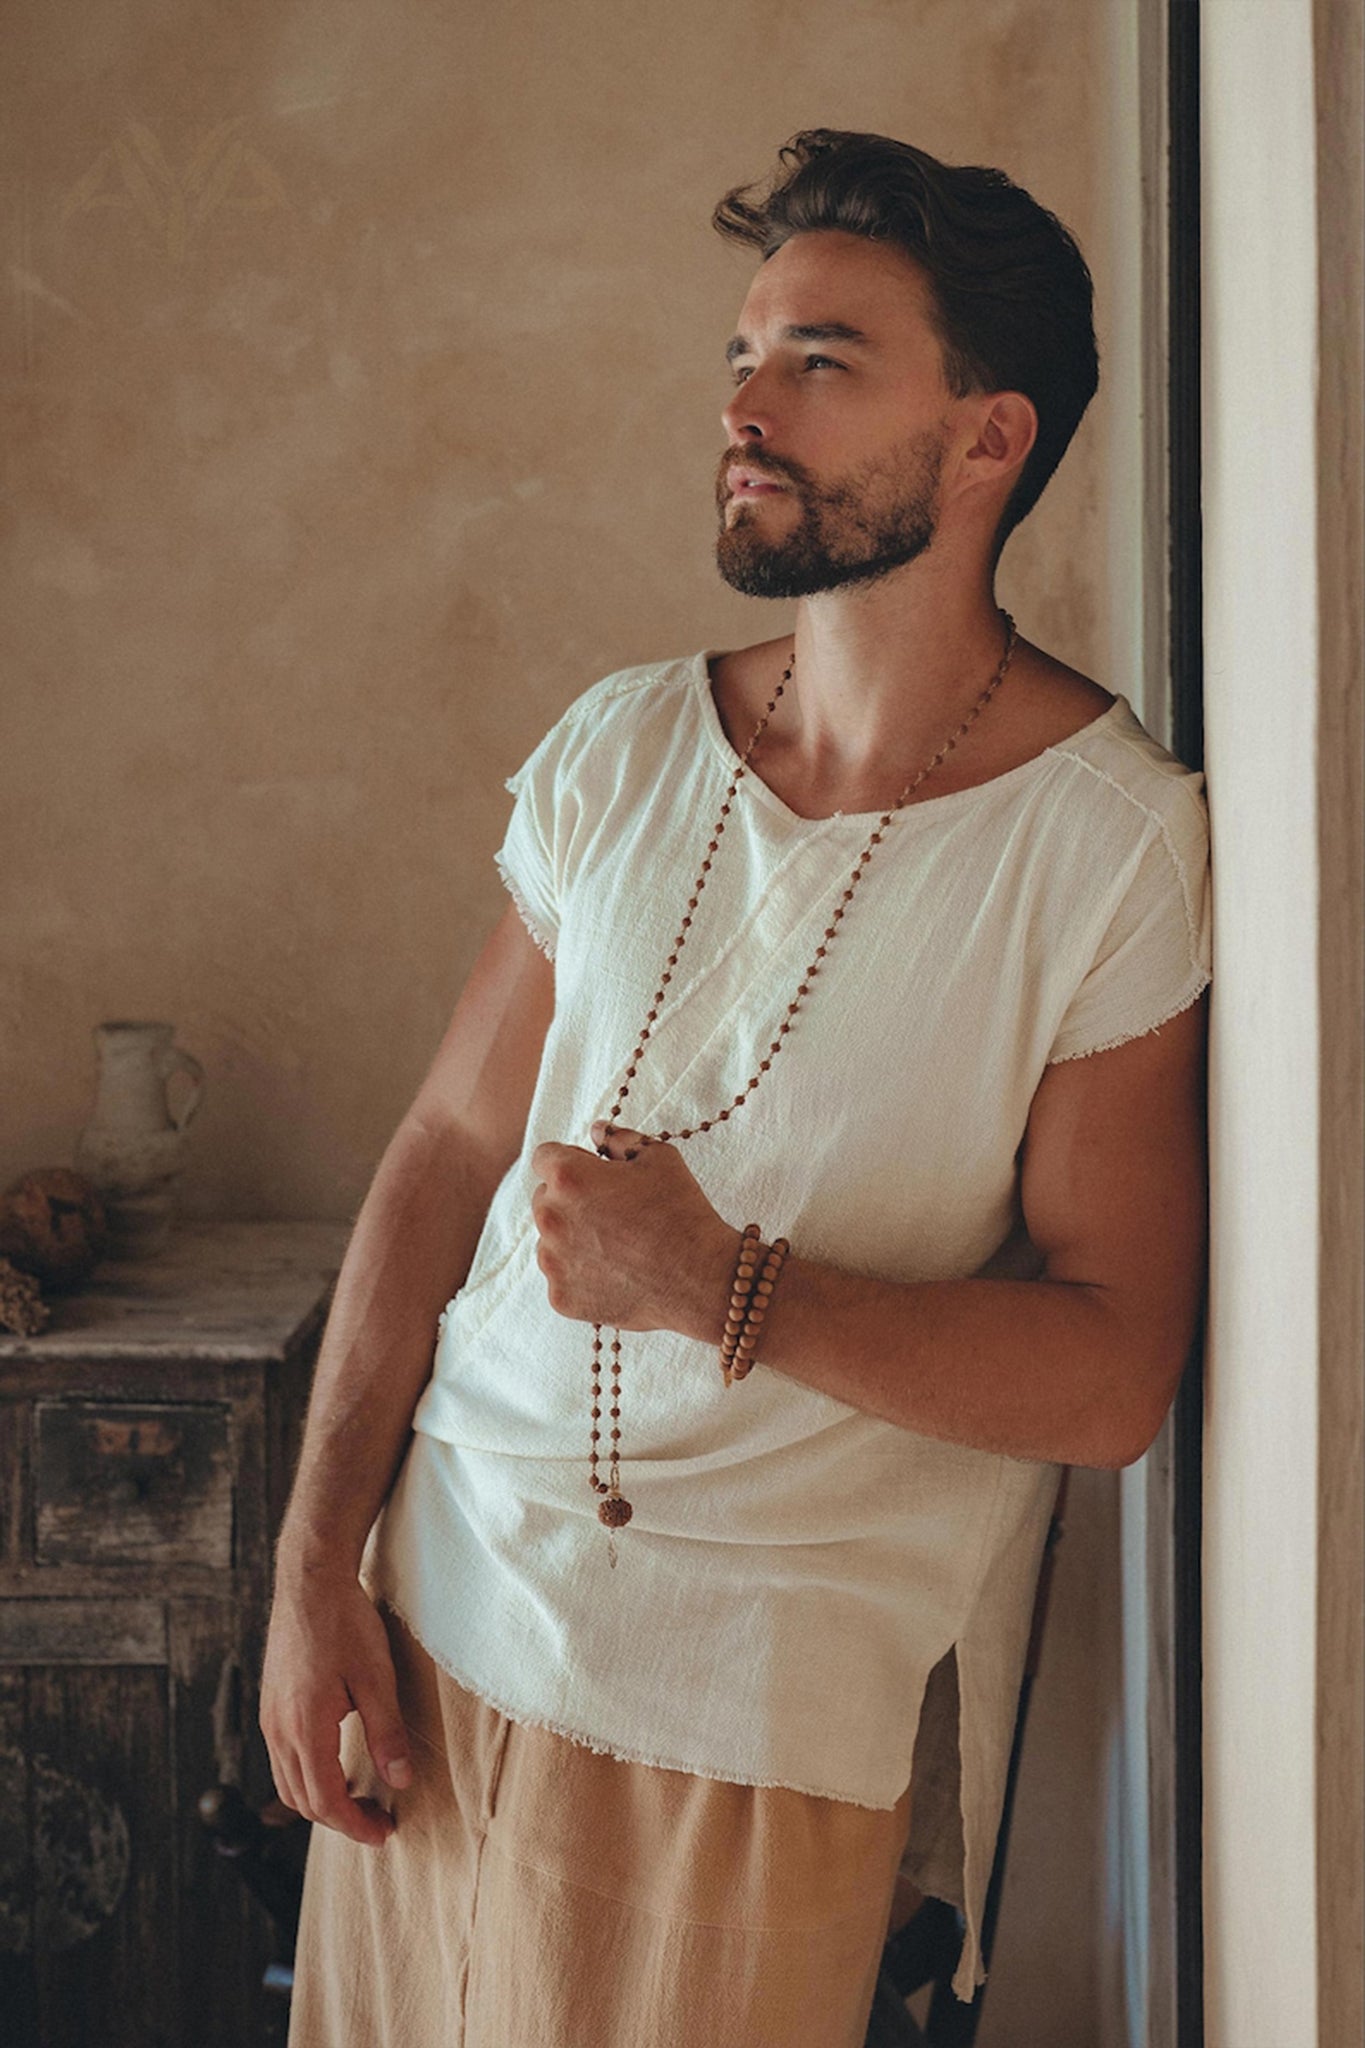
x=22 y=1308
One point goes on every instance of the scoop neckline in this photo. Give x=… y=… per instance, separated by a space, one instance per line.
x=1022 y=771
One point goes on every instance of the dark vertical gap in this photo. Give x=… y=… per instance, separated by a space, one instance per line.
x=1187 y=738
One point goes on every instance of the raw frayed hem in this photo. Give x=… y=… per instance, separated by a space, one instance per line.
x=584 y=1741
x=1127 y=1037
x=545 y=944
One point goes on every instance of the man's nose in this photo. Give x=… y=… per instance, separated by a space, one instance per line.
x=748 y=416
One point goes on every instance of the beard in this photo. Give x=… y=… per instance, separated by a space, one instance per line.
x=876 y=519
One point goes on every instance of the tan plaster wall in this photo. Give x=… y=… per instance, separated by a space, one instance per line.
x=362 y=370
x=362 y=366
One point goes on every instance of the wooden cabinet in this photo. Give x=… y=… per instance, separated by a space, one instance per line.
x=147 y=1443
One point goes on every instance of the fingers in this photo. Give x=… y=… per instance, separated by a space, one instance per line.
x=309 y=1778
x=327 y=1655
x=548 y=1155
x=386 y=1737
x=363 y=1820
x=616 y=1141
x=610 y=1141
x=285 y=1789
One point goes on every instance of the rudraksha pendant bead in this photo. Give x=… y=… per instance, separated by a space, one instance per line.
x=615 y=1511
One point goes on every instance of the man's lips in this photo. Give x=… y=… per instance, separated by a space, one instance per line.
x=751 y=483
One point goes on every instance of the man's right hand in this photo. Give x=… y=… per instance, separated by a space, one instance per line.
x=328 y=1652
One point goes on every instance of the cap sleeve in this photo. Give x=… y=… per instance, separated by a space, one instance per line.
x=563 y=789
x=525 y=860
x=1156 y=956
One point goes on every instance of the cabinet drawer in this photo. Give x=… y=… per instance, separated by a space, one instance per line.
x=116 y=1483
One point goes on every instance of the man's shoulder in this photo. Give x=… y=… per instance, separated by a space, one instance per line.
x=633 y=688
x=611 y=720
x=740 y=663
x=1127 y=789
x=1123 y=754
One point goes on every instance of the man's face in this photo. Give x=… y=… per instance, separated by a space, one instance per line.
x=838 y=422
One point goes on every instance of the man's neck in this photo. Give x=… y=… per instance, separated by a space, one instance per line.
x=886 y=671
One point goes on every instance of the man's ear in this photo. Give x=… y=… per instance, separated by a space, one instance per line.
x=1006 y=430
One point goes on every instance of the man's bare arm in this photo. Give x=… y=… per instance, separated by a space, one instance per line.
x=412 y=1245
x=1080 y=1365
x=1077 y=1366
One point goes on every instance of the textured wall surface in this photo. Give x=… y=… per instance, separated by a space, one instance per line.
x=362 y=367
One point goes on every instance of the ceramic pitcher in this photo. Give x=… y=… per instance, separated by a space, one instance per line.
x=133 y=1146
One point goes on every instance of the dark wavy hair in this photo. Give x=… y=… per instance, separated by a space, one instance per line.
x=1013 y=298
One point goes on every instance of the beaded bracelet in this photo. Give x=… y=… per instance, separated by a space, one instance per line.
x=761 y=1295
x=746 y=1272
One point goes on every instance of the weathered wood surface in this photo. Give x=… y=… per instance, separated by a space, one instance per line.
x=230 y=1292
x=154 y=1581
x=14 y=1439
x=147 y=1444
x=105 y=1906
x=225 y=1940
x=82 y=1632
x=124 y=1482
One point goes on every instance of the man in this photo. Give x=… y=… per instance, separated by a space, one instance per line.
x=906 y=922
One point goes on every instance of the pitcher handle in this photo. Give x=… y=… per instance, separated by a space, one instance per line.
x=174 y=1061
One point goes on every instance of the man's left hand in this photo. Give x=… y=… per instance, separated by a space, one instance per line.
x=629 y=1240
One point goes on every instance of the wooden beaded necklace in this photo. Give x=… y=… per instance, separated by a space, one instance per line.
x=613 y=1509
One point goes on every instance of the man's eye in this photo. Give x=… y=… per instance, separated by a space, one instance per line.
x=743 y=371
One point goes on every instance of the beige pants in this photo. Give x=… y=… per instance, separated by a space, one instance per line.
x=537 y=1895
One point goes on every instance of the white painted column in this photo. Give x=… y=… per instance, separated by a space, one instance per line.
x=1261 y=657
